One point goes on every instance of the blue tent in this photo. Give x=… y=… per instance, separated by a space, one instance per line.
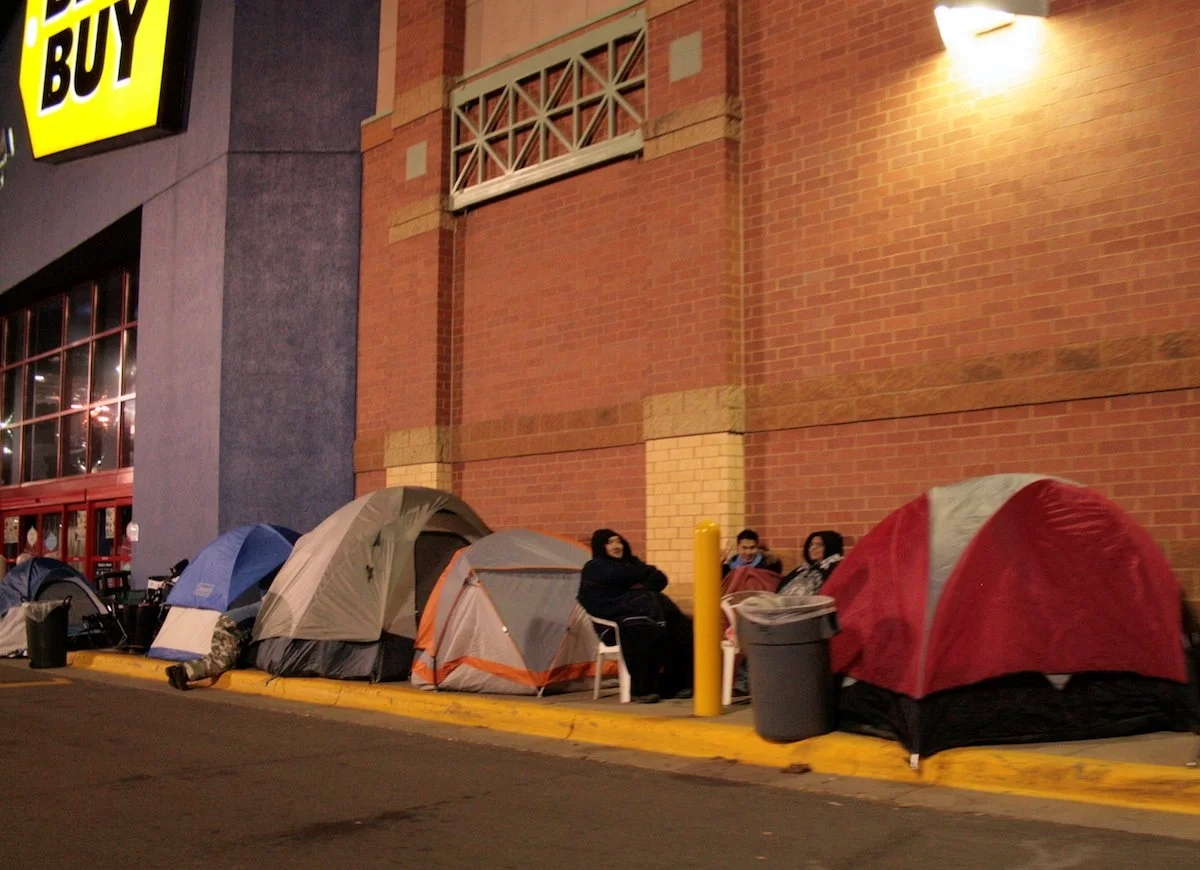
x=41 y=579
x=227 y=572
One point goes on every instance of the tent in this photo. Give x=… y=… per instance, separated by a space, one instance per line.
x=347 y=601
x=504 y=618
x=42 y=579
x=1006 y=609
x=229 y=572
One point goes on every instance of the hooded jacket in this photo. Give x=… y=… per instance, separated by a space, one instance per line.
x=619 y=588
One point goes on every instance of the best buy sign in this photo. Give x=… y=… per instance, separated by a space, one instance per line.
x=100 y=74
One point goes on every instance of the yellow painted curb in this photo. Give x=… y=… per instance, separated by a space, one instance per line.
x=1027 y=773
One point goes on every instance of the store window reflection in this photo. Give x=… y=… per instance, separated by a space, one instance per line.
x=68 y=375
x=76 y=534
x=12 y=539
x=52 y=536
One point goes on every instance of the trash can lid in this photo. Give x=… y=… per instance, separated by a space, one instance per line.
x=39 y=610
x=773 y=608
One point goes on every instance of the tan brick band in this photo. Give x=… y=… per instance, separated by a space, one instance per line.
x=655 y=8
x=1109 y=368
x=427 y=444
x=709 y=120
x=403 y=447
x=375 y=132
x=424 y=99
x=419 y=217
x=694 y=412
x=1087 y=371
x=417 y=209
x=697 y=113
x=563 y=432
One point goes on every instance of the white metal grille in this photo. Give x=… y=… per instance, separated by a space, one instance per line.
x=573 y=106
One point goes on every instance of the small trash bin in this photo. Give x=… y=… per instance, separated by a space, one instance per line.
x=127 y=614
x=46 y=625
x=146 y=624
x=786 y=642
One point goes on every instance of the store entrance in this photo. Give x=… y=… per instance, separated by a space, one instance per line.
x=89 y=536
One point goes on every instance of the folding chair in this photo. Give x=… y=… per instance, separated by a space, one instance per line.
x=606 y=628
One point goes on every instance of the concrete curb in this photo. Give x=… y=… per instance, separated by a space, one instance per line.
x=1031 y=774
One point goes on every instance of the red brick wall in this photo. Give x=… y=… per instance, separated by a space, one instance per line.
x=692 y=308
x=614 y=284
x=553 y=292
x=569 y=494
x=716 y=22
x=893 y=216
x=896 y=216
x=436 y=29
x=1141 y=451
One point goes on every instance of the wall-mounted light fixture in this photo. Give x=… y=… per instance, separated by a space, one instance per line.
x=964 y=19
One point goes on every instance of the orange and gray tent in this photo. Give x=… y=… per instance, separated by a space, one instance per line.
x=504 y=619
x=346 y=602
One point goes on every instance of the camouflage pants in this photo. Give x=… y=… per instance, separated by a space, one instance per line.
x=227 y=643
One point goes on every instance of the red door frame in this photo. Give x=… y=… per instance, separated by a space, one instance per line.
x=88 y=492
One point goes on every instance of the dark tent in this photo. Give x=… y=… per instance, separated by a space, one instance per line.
x=41 y=579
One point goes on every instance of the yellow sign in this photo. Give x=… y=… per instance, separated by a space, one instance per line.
x=100 y=74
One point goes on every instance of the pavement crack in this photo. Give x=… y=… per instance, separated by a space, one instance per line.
x=339 y=828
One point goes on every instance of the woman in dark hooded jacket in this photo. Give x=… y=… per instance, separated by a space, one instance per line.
x=822 y=552
x=656 y=636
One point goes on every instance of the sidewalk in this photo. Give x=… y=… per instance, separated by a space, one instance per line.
x=1145 y=772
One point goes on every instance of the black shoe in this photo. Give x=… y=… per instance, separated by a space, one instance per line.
x=645 y=699
x=684 y=695
x=177 y=677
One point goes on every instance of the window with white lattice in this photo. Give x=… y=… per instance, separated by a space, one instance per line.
x=576 y=105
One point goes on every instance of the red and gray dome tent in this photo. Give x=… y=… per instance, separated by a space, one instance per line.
x=1007 y=609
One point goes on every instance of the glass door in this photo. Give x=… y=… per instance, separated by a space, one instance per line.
x=30 y=534
x=12 y=540
x=52 y=535
x=75 y=547
x=111 y=549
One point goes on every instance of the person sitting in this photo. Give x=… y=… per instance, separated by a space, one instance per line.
x=749 y=553
x=231 y=636
x=656 y=636
x=822 y=552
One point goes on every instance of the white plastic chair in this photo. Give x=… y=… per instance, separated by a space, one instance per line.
x=729 y=643
x=603 y=650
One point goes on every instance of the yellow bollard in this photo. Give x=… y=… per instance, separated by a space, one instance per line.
x=707 y=620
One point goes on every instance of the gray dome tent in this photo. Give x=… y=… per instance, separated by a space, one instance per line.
x=346 y=602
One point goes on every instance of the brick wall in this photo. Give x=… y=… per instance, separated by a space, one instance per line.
x=909 y=278
x=554 y=295
x=906 y=230
x=894 y=216
x=1141 y=451
x=570 y=494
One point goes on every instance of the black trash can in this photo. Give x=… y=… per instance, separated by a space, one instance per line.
x=786 y=642
x=146 y=624
x=46 y=625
